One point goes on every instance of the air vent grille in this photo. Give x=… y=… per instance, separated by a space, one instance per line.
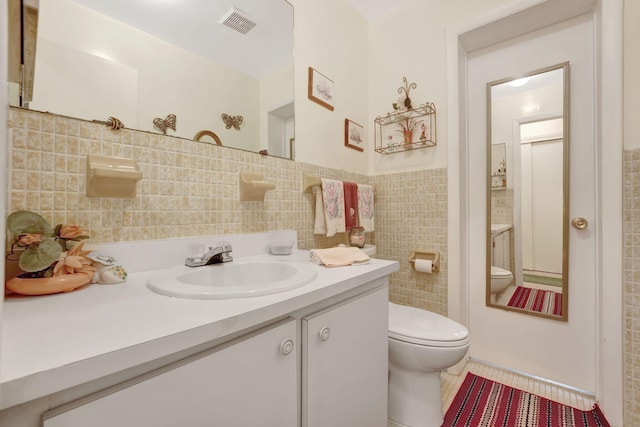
x=237 y=20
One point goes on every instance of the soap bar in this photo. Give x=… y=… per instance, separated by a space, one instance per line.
x=107 y=272
x=281 y=248
x=110 y=275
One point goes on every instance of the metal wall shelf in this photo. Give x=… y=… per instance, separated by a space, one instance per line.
x=390 y=135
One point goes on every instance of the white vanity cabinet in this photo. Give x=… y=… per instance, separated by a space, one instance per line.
x=251 y=381
x=324 y=365
x=344 y=363
x=502 y=250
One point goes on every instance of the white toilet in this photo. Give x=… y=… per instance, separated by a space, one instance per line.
x=421 y=345
x=501 y=279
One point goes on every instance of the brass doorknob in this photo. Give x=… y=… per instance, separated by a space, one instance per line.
x=579 y=223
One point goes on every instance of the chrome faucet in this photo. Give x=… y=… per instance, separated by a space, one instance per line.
x=214 y=255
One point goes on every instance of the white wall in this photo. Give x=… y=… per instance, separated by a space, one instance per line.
x=275 y=92
x=137 y=76
x=548 y=101
x=411 y=42
x=331 y=37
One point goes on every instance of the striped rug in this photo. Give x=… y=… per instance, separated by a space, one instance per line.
x=482 y=402
x=547 y=302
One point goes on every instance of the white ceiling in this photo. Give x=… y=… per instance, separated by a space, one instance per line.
x=193 y=25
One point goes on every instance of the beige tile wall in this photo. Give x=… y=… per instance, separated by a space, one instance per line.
x=411 y=213
x=191 y=188
x=632 y=288
x=188 y=188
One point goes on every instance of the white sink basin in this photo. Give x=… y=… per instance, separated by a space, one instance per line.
x=236 y=279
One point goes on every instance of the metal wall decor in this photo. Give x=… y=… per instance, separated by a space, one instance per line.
x=204 y=133
x=416 y=126
x=230 y=121
x=406 y=89
x=111 y=122
x=406 y=129
x=164 y=124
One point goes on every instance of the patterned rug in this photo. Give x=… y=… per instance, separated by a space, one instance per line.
x=482 y=402
x=547 y=302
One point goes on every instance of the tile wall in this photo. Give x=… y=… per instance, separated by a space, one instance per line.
x=411 y=214
x=188 y=188
x=191 y=188
x=631 y=294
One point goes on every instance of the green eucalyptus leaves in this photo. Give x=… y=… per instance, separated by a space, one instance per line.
x=42 y=244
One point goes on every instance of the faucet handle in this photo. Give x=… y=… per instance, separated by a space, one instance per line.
x=197 y=251
x=225 y=245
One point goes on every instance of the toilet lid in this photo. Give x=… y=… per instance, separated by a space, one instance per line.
x=423 y=327
x=499 y=272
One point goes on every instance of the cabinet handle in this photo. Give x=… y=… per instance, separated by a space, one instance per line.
x=325 y=333
x=286 y=346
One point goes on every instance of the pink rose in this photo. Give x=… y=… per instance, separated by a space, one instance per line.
x=28 y=238
x=70 y=231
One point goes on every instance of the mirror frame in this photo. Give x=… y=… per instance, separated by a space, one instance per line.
x=565 y=205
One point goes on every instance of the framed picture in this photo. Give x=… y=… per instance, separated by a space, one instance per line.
x=353 y=135
x=320 y=89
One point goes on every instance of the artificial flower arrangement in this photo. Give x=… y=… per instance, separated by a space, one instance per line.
x=407 y=125
x=56 y=254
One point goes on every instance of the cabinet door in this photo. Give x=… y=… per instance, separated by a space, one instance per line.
x=250 y=382
x=345 y=353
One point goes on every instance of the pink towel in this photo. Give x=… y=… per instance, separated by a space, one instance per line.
x=365 y=207
x=333 y=201
x=350 y=204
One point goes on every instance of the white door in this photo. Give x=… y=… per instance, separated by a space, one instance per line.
x=542 y=175
x=560 y=351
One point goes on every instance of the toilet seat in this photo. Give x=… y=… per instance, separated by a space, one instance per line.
x=500 y=273
x=416 y=326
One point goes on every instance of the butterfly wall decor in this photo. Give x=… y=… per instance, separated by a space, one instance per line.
x=164 y=124
x=234 y=121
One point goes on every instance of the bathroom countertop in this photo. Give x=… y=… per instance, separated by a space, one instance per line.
x=51 y=343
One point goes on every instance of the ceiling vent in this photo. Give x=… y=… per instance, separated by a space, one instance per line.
x=237 y=20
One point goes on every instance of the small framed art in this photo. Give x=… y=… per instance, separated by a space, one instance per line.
x=320 y=89
x=353 y=135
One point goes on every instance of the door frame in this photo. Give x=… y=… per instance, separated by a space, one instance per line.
x=514 y=19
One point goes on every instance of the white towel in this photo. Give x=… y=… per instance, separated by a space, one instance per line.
x=365 y=207
x=333 y=202
x=320 y=226
x=338 y=256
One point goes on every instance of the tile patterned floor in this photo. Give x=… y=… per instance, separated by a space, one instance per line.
x=451 y=383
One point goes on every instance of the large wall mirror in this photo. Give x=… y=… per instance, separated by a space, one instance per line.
x=528 y=193
x=139 y=61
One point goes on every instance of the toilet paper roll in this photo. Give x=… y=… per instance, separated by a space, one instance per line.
x=424 y=265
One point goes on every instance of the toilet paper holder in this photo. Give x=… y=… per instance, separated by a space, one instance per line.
x=423 y=254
